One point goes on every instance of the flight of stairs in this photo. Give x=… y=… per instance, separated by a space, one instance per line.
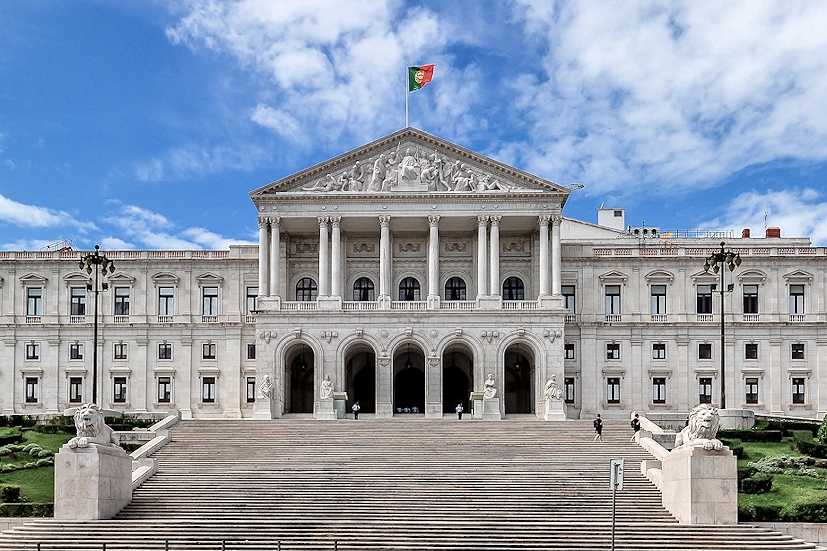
x=398 y=484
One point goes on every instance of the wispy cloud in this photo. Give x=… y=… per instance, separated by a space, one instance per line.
x=192 y=161
x=32 y=216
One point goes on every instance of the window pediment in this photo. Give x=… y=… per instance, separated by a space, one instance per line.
x=799 y=276
x=613 y=276
x=165 y=278
x=77 y=278
x=33 y=279
x=752 y=276
x=209 y=279
x=659 y=276
x=120 y=278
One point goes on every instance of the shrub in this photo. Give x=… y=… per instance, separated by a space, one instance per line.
x=759 y=513
x=750 y=435
x=45 y=453
x=745 y=472
x=736 y=446
x=10 y=494
x=49 y=462
x=803 y=441
x=13 y=437
x=773 y=464
x=27 y=510
x=822 y=431
x=760 y=483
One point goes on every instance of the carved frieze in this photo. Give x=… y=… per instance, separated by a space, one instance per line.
x=364 y=248
x=410 y=247
x=303 y=247
x=454 y=247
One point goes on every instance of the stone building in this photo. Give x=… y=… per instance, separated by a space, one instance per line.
x=405 y=272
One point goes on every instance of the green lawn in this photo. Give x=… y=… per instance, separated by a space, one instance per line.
x=36 y=484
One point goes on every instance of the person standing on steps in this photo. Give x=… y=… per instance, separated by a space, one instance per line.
x=458 y=409
x=635 y=427
x=598 y=429
x=356 y=407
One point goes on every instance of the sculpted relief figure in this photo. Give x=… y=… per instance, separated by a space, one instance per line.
x=701 y=430
x=409 y=167
x=377 y=174
x=265 y=390
x=553 y=390
x=91 y=428
x=356 y=178
x=327 y=388
x=391 y=171
x=490 y=390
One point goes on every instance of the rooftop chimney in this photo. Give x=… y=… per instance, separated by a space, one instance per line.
x=745 y=233
x=773 y=232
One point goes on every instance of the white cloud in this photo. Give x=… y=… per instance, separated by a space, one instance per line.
x=279 y=122
x=192 y=161
x=31 y=216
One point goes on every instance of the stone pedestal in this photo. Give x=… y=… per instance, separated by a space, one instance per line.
x=555 y=410
x=326 y=410
x=340 y=404
x=476 y=404
x=701 y=486
x=92 y=483
x=491 y=409
x=264 y=409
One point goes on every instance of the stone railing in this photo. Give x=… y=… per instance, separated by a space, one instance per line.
x=156 y=437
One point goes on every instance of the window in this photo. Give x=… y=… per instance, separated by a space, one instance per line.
x=751 y=387
x=455 y=289
x=797 y=351
x=251 y=390
x=568 y=385
x=78 y=305
x=306 y=290
x=658 y=299
x=798 y=390
x=251 y=351
x=210 y=304
x=32 y=391
x=166 y=301
x=252 y=293
x=612 y=299
x=32 y=351
x=613 y=390
x=658 y=351
x=568 y=298
x=75 y=390
x=121 y=301
x=75 y=351
x=704 y=299
x=513 y=289
x=409 y=289
x=363 y=290
x=750 y=299
x=704 y=351
x=164 y=390
x=796 y=299
x=658 y=390
x=120 y=351
x=612 y=351
x=751 y=351
x=34 y=301
x=165 y=351
x=119 y=391
x=208 y=389
x=705 y=390
x=568 y=350
x=208 y=350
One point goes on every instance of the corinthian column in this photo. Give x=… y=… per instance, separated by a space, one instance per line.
x=263 y=260
x=274 y=256
x=336 y=257
x=324 y=258
x=433 y=257
x=482 y=256
x=556 y=254
x=384 y=256
x=544 y=265
x=495 y=255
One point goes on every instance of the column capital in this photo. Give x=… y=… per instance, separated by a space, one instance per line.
x=544 y=219
x=335 y=221
x=275 y=220
x=263 y=221
x=482 y=219
x=433 y=220
x=384 y=220
x=323 y=220
x=556 y=219
x=495 y=220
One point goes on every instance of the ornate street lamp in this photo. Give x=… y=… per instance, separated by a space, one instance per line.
x=98 y=263
x=725 y=257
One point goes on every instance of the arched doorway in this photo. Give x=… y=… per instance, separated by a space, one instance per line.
x=409 y=380
x=299 y=377
x=360 y=380
x=519 y=374
x=457 y=379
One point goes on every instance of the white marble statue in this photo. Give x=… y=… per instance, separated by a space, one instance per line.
x=553 y=390
x=489 y=390
x=702 y=429
x=409 y=167
x=265 y=390
x=327 y=388
x=91 y=428
x=377 y=174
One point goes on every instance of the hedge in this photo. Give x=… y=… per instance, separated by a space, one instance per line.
x=27 y=509
x=736 y=446
x=759 y=513
x=15 y=436
x=746 y=435
x=803 y=440
x=786 y=427
x=759 y=483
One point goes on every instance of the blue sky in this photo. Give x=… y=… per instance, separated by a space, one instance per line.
x=145 y=125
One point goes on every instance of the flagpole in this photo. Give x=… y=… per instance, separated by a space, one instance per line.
x=407 y=86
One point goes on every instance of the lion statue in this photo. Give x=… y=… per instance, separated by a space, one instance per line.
x=701 y=431
x=92 y=429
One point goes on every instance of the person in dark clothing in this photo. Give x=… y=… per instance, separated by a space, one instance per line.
x=635 y=427
x=598 y=429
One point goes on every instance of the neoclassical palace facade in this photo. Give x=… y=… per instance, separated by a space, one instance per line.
x=405 y=272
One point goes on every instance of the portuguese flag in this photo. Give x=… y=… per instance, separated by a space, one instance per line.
x=420 y=76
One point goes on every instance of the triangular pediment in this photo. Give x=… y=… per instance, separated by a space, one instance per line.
x=411 y=161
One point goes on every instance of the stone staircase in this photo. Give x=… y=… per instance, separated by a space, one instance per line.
x=398 y=484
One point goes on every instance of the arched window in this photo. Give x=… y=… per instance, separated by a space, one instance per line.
x=306 y=290
x=409 y=289
x=513 y=289
x=455 y=289
x=363 y=289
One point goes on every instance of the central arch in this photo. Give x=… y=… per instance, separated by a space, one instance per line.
x=360 y=379
x=519 y=374
x=409 y=380
x=457 y=378
x=300 y=379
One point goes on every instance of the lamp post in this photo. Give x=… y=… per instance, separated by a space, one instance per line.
x=725 y=257
x=98 y=263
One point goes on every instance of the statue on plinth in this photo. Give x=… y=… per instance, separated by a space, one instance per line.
x=327 y=388
x=553 y=390
x=490 y=390
x=92 y=428
x=265 y=390
x=701 y=430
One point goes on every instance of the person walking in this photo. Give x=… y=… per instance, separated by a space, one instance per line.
x=458 y=409
x=635 y=427
x=598 y=429
x=356 y=407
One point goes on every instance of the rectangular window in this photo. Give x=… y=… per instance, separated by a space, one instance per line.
x=75 y=351
x=751 y=351
x=705 y=390
x=251 y=390
x=166 y=301
x=568 y=298
x=120 y=350
x=78 y=306
x=32 y=390
x=34 y=301
x=704 y=299
x=210 y=295
x=252 y=293
x=751 y=386
x=251 y=351
x=658 y=299
x=209 y=351
x=798 y=390
x=568 y=350
x=32 y=351
x=658 y=351
x=613 y=390
x=659 y=390
x=119 y=390
x=612 y=351
x=704 y=351
x=164 y=390
x=208 y=389
x=612 y=299
x=165 y=351
x=797 y=351
x=569 y=390
x=75 y=390
x=121 y=301
x=750 y=299
x=796 y=299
